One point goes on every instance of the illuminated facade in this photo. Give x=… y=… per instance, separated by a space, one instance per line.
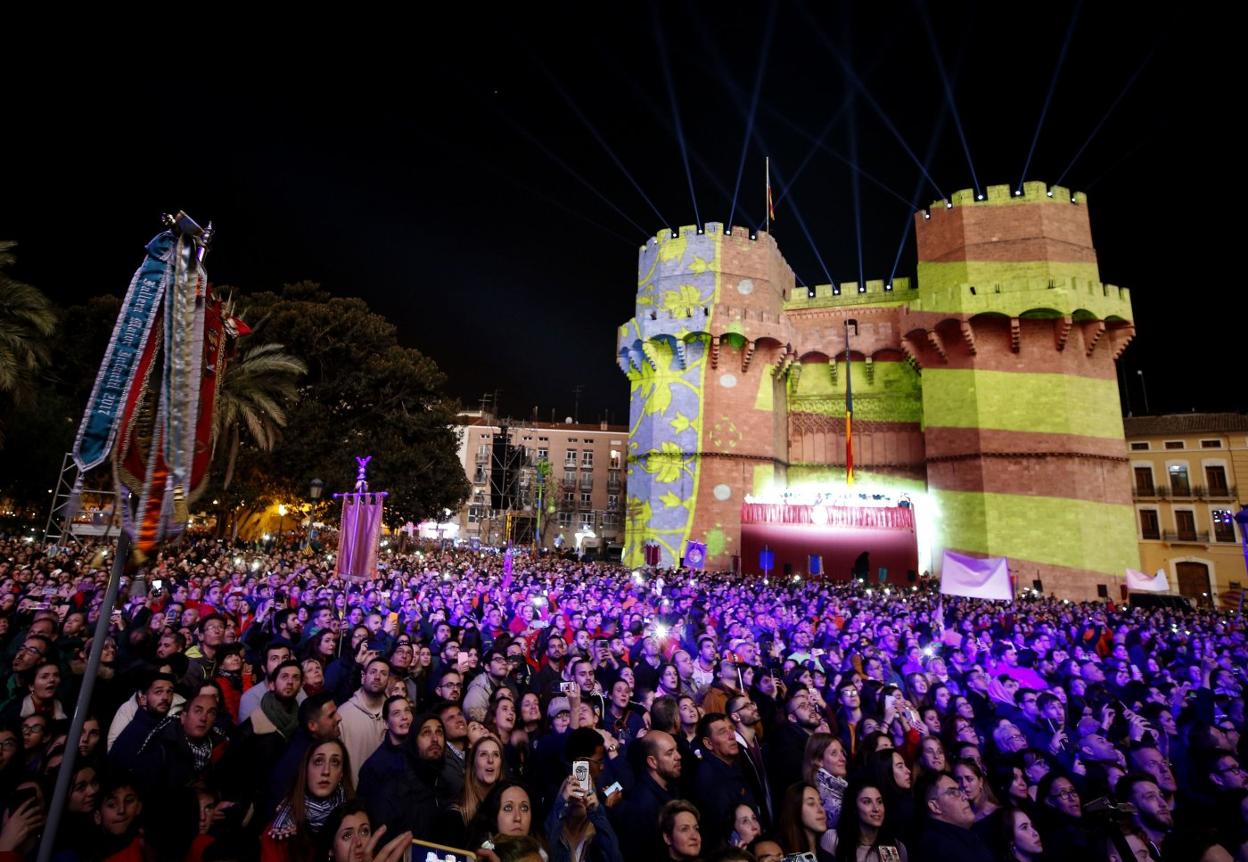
x=1186 y=474
x=985 y=390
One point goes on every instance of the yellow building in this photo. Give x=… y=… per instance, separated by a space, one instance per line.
x=1186 y=470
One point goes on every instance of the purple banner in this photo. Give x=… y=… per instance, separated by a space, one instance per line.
x=360 y=535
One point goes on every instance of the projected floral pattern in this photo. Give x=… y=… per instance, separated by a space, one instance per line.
x=665 y=355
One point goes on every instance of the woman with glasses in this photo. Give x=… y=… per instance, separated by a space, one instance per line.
x=1059 y=817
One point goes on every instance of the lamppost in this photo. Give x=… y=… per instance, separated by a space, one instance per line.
x=314 y=494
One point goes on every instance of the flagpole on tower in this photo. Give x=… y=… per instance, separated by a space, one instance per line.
x=767 y=203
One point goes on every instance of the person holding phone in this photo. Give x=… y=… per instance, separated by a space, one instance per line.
x=577 y=828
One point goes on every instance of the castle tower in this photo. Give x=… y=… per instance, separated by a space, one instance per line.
x=707 y=357
x=1017 y=339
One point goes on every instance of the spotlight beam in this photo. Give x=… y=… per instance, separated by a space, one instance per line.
x=1048 y=97
x=821 y=144
x=661 y=44
x=764 y=50
x=950 y=102
x=528 y=136
x=593 y=130
x=918 y=190
x=866 y=94
x=1105 y=116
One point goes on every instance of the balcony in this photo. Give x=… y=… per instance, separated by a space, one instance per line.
x=1222 y=492
x=614 y=486
x=587 y=483
x=483 y=457
x=1183 y=537
x=1144 y=492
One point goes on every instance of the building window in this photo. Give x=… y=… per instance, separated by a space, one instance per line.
x=587 y=458
x=569 y=497
x=543 y=454
x=1215 y=478
x=1180 y=486
x=474 y=514
x=1185 y=523
x=1223 y=525
x=565 y=519
x=569 y=459
x=1149 y=527
x=1210 y=444
x=587 y=519
x=1174 y=444
x=1144 y=482
x=610 y=519
x=615 y=459
x=1140 y=447
x=569 y=477
x=587 y=499
x=613 y=502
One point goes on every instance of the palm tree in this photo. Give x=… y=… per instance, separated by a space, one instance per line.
x=257 y=387
x=27 y=321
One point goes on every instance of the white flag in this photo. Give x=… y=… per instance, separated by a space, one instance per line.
x=1142 y=583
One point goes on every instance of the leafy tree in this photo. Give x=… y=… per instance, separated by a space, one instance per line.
x=259 y=384
x=365 y=394
x=27 y=321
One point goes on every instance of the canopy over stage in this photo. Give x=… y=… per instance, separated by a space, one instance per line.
x=838 y=534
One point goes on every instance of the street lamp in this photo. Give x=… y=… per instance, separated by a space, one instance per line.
x=314 y=493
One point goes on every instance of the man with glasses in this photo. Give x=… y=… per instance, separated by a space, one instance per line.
x=947 y=832
x=450 y=686
x=745 y=718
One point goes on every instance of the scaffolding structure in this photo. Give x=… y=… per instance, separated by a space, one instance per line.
x=65 y=527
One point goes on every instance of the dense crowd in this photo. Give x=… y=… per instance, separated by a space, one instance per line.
x=250 y=706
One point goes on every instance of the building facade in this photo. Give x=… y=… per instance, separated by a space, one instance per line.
x=579 y=494
x=1185 y=471
x=984 y=391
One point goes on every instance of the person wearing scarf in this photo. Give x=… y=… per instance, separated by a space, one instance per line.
x=323 y=783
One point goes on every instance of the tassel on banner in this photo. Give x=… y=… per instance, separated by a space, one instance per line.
x=181 y=512
x=74 y=504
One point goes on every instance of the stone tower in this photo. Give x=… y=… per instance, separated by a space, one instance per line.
x=707 y=356
x=986 y=388
x=1017 y=339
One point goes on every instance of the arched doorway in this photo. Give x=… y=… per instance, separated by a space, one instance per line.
x=1193 y=581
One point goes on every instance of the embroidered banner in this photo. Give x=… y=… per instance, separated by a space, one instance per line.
x=118 y=372
x=876 y=517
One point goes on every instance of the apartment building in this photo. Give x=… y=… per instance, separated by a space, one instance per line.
x=582 y=499
x=1186 y=471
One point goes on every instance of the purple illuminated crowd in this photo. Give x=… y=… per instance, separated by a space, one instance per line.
x=250 y=706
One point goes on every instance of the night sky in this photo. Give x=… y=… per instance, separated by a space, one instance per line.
x=463 y=174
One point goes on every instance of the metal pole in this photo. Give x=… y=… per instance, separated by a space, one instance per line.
x=1144 y=387
x=121 y=552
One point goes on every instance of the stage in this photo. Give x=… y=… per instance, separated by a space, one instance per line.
x=837 y=533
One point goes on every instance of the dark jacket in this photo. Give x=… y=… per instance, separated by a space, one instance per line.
x=604 y=848
x=941 y=842
x=411 y=799
x=719 y=788
x=637 y=818
x=785 y=750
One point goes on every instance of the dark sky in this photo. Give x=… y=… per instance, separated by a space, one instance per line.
x=442 y=165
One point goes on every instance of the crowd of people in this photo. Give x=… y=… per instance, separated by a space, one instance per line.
x=249 y=705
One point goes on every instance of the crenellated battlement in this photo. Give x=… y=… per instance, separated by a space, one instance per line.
x=1065 y=296
x=850 y=293
x=738 y=234
x=993 y=196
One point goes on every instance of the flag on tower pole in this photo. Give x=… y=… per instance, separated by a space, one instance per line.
x=771 y=209
x=849 y=413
